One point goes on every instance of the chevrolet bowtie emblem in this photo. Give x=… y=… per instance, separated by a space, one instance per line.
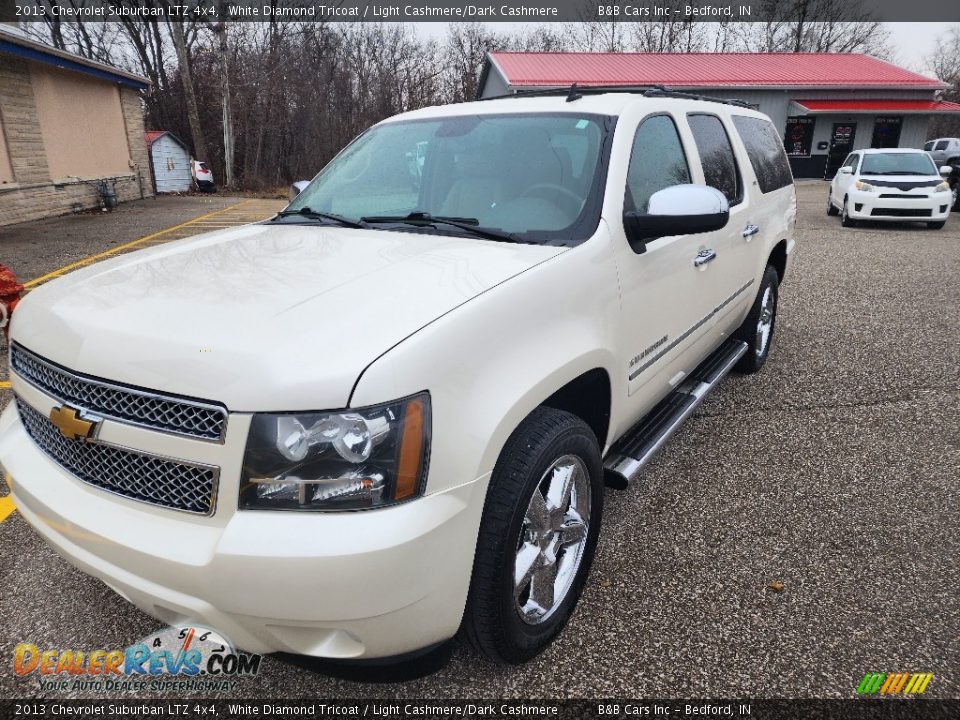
x=70 y=424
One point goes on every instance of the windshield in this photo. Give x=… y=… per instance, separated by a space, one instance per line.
x=533 y=176
x=898 y=164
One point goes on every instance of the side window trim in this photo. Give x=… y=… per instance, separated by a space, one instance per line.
x=736 y=163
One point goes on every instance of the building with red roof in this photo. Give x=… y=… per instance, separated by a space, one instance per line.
x=826 y=104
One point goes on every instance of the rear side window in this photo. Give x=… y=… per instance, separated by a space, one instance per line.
x=942 y=145
x=716 y=156
x=765 y=151
x=656 y=162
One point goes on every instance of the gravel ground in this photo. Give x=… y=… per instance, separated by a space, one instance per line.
x=835 y=471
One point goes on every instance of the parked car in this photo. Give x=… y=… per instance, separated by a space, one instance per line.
x=891 y=184
x=389 y=413
x=203 y=176
x=944 y=151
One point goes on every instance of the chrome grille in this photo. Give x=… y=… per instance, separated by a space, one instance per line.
x=159 y=481
x=139 y=407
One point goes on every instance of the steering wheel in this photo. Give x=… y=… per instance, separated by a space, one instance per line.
x=532 y=190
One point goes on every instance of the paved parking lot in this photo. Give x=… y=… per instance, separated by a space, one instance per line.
x=835 y=472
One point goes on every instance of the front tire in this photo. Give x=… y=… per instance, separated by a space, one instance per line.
x=831 y=208
x=936 y=225
x=955 y=196
x=845 y=218
x=537 y=537
x=757 y=329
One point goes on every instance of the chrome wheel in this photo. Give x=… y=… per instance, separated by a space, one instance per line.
x=552 y=539
x=765 y=321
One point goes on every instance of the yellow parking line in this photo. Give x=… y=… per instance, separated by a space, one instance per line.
x=133 y=243
x=4 y=383
x=6 y=503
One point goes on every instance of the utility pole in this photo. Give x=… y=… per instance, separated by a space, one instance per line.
x=225 y=91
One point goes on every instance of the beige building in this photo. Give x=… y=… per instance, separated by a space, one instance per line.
x=65 y=123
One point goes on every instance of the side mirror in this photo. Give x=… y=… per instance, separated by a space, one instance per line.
x=298 y=187
x=677 y=210
x=946 y=170
x=846 y=170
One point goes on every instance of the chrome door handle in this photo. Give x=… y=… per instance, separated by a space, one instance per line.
x=750 y=229
x=703 y=257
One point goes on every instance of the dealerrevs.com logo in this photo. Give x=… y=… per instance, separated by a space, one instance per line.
x=185 y=658
x=878 y=683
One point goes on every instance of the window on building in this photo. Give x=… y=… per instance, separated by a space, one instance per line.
x=716 y=156
x=765 y=151
x=657 y=161
x=81 y=122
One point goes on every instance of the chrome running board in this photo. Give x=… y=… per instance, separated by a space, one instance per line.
x=628 y=456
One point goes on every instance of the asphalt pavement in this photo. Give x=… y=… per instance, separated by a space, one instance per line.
x=800 y=530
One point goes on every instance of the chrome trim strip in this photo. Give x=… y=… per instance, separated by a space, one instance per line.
x=214 y=469
x=687 y=333
x=151 y=395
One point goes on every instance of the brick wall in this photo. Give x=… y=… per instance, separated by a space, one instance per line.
x=33 y=194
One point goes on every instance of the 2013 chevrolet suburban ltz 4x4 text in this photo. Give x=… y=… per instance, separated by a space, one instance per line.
x=389 y=413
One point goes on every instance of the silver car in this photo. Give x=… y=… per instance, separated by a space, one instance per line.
x=944 y=151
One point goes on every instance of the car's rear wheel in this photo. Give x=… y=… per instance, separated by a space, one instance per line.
x=845 y=218
x=537 y=537
x=831 y=208
x=757 y=330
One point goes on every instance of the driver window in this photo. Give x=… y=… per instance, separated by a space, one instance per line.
x=657 y=161
x=852 y=161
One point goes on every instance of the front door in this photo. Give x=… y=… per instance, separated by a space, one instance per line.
x=664 y=296
x=841 y=143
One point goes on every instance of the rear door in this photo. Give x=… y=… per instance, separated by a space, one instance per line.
x=727 y=277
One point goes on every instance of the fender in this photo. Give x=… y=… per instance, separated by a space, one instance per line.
x=490 y=362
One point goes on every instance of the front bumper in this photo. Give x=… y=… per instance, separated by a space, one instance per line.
x=337 y=585
x=931 y=207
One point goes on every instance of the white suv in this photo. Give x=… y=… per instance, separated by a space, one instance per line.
x=893 y=185
x=390 y=412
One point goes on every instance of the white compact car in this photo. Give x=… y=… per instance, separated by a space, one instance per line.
x=390 y=413
x=893 y=185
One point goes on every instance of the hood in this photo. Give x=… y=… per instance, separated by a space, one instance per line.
x=263 y=317
x=902 y=182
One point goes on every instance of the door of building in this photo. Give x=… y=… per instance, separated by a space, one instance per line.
x=841 y=143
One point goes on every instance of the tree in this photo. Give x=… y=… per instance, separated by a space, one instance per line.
x=944 y=62
x=189 y=94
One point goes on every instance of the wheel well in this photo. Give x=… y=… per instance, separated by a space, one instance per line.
x=587 y=397
x=778 y=258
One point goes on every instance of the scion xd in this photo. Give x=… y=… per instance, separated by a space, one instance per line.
x=388 y=414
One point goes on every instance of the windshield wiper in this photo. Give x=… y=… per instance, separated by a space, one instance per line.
x=314 y=215
x=471 y=225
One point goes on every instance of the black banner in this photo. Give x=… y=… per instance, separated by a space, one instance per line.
x=423 y=709
x=831 y=11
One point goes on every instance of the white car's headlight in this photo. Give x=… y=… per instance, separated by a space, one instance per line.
x=942 y=187
x=866 y=187
x=345 y=460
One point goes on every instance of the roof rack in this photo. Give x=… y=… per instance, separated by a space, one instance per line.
x=575 y=92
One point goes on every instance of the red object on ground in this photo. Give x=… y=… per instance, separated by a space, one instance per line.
x=10 y=291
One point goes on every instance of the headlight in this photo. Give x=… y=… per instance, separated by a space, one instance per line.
x=942 y=187
x=345 y=460
x=866 y=187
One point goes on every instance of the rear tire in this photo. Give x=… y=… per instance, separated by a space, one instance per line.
x=757 y=329
x=845 y=218
x=542 y=512
x=831 y=208
x=936 y=225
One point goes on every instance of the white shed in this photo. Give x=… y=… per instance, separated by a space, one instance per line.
x=170 y=161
